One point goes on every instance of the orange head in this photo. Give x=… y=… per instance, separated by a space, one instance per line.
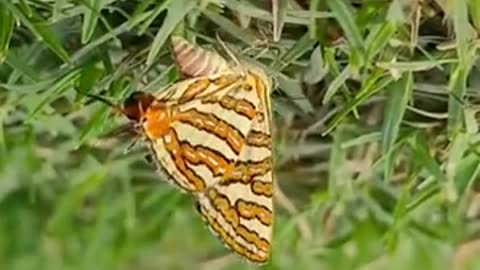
x=143 y=108
x=152 y=113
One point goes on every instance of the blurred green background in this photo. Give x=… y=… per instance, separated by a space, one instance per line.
x=376 y=133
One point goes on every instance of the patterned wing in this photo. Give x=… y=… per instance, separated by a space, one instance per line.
x=239 y=208
x=210 y=119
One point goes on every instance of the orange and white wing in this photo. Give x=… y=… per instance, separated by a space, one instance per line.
x=211 y=117
x=239 y=208
x=200 y=118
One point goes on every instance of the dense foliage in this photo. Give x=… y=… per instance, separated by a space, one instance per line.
x=376 y=132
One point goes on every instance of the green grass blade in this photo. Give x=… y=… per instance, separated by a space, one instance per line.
x=316 y=67
x=400 y=217
x=176 y=11
x=373 y=84
x=292 y=16
x=142 y=6
x=96 y=122
x=338 y=179
x=397 y=100
x=379 y=38
x=475 y=13
x=346 y=18
x=303 y=45
x=90 y=19
x=245 y=35
x=459 y=146
x=457 y=88
x=362 y=140
x=6 y=31
x=336 y=84
x=21 y=65
x=40 y=28
x=156 y=12
x=464 y=33
x=56 y=90
x=293 y=89
x=422 y=155
x=465 y=52
x=414 y=65
x=466 y=174
x=5 y=110
x=88 y=78
x=315 y=25
x=431 y=190
x=279 y=9
x=71 y=200
x=124 y=27
x=58 y=8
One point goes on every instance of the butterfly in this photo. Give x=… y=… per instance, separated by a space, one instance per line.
x=210 y=134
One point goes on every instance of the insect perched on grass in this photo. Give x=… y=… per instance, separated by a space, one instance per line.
x=211 y=134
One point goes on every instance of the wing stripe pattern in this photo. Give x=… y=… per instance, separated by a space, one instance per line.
x=212 y=124
x=177 y=154
x=251 y=210
x=217 y=225
x=222 y=204
x=182 y=151
x=242 y=106
x=262 y=188
x=243 y=208
x=240 y=206
x=245 y=171
x=195 y=89
x=226 y=221
x=259 y=139
x=199 y=87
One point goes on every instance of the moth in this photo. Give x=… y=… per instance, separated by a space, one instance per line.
x=210 y=134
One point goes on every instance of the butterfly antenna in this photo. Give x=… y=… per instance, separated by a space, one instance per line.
x=115 y=107
x=229 y=52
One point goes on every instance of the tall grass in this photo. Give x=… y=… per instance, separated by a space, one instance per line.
x=376 y=133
